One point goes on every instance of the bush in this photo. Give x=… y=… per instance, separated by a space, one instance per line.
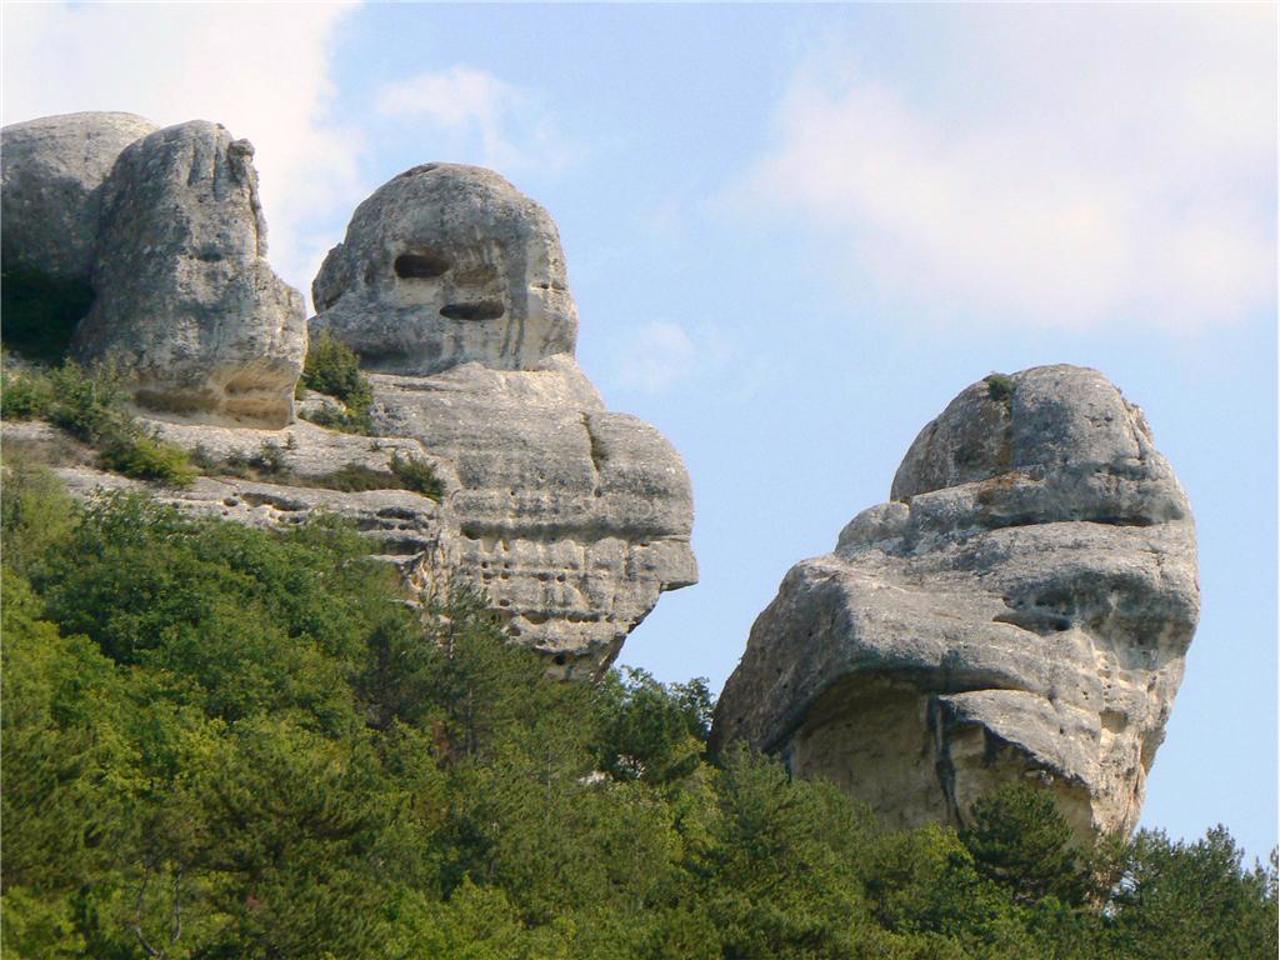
x=270 y=462
x=148 y=458
x=90 y=406
x=332 y=368
x=355 y=478
x=999 y=387
x=25 y=395
x=418 y=475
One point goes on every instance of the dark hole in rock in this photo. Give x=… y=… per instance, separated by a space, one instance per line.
x=41 y=312
x=421 y=265
x=560 y=659
x=484 y=310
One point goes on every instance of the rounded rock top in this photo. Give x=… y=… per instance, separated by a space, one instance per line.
x=447 y=264
x=53 y=175
x=1053 y=417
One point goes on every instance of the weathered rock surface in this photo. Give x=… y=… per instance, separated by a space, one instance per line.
x=573 y=519
x=186 y=301
x=52 y=180
x=1021 y=608
x=446 y=264
x=452 y=285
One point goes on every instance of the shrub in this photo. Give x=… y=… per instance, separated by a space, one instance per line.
x=331 y=417
x=25 y=395
x=268 y=463
x=149 y=458
x=999 y=387
x=90 y=406
x=418 y=475
x=333 y=368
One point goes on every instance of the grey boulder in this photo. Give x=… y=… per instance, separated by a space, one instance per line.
x=1020 y=609
x=186 y=301
x=53 y=173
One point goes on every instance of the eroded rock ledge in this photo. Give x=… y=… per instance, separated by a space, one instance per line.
x=1020 y=608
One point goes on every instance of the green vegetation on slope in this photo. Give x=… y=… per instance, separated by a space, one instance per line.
x=220 y=742
x=90 y=406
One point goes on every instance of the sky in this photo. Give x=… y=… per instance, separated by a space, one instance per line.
x=794 y=233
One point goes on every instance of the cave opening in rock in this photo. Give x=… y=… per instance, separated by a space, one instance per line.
x=40 y=313
x=483 y=310
x=421 y=265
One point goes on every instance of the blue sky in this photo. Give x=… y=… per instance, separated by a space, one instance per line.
x=795 y=232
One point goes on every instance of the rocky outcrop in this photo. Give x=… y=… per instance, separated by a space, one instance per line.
x=1020 y=608
x=186 y=300
x=573 y=519
x=443 y=265
x=451 y=285
x=52 y=181
x=166 y=228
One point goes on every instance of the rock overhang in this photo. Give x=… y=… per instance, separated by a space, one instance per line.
x=1032 y=579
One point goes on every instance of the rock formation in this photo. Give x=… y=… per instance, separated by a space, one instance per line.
x=167 y=228
x=573 y=518
x=1020 y=608
x=451 y=284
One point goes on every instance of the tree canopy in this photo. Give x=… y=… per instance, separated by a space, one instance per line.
x=226 y=742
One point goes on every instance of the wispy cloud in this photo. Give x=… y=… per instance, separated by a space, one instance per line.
x=262 y=70
x=1088 y=165
x=489 y=120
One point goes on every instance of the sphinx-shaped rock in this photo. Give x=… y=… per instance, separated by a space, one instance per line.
x=53 y=175
x=1021 y=608
x=573 y=519
x=186 y=301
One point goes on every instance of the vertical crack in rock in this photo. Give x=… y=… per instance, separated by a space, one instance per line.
x=1028 y=596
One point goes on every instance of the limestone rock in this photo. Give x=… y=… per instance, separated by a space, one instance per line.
x=1021 y=608
x=53 y=173
x=573 y=519
x=443 y=265
x=186 y=301
x=452 y=286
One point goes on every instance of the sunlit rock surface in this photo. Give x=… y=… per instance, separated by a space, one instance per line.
x=1020 y=608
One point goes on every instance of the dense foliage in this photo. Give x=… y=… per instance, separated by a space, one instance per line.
x=219 y=742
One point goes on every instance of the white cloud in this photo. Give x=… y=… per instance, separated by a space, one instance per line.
x=658 y=355
x=491 y=121
x=1083 y=165
x=262 y=70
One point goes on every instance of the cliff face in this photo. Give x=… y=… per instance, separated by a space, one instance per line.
x=450 y=285
x=1020 y=608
